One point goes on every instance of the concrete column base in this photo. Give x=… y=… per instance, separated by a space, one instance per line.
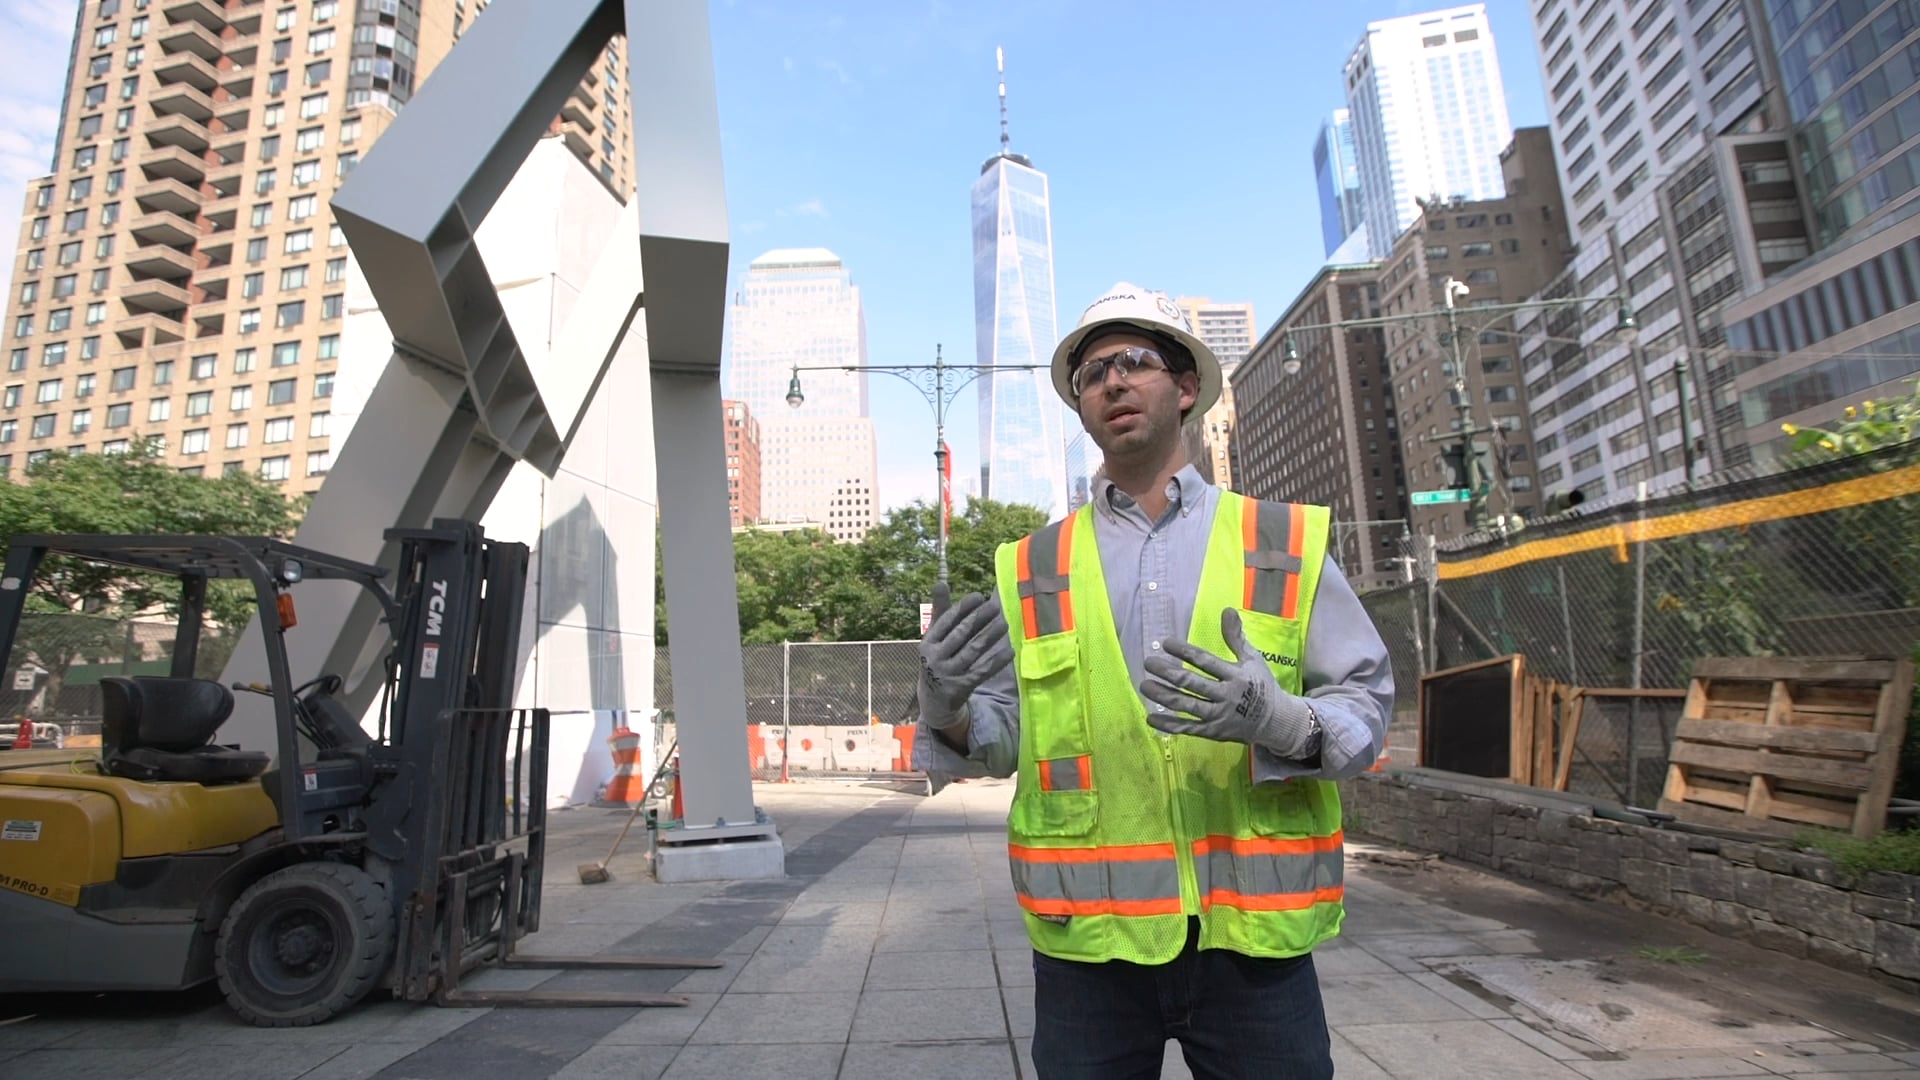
x=721 y=860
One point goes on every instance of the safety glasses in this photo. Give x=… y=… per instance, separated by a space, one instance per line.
x=1129 y=361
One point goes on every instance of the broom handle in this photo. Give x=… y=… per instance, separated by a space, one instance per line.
x=657 y=774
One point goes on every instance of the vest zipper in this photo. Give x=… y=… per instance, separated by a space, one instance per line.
x=1182 y=850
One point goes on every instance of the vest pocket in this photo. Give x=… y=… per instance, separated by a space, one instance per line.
x=1281 y=641
x=1054 y=813
x=1053 y=698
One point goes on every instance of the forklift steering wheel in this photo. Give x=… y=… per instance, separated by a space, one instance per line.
x=328 y=683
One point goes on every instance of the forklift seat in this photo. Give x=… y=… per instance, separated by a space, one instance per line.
x=162 y=729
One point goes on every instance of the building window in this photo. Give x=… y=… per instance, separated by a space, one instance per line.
x=195 y=441
x=275 y=468
x=278 y=430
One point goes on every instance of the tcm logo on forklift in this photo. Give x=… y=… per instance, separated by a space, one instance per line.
x=436 y=607
x=436 y=614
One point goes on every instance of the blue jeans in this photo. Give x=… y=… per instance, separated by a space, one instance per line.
x=1235 y=1016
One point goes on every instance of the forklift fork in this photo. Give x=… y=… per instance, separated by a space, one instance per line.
x=504 y=956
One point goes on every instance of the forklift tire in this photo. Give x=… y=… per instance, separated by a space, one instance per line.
x=303 y=944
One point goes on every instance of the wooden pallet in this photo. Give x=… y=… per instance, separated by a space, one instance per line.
x=1774 y=744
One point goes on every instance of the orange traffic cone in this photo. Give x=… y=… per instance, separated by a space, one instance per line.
x=23 y=739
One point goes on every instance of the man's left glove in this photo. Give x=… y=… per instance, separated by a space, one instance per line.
x=1235 y=701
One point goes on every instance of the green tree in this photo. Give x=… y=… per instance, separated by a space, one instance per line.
x=896 y=566
x=135 y=492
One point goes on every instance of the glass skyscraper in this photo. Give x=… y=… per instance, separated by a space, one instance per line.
x=1336 y=171
x=1429 y=116
x=1022 y=422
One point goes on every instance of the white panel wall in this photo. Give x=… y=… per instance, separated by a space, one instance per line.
x=587 y=641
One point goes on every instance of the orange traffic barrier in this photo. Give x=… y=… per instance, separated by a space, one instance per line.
x=627 y=786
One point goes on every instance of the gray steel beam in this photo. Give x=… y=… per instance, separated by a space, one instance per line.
x=458 y=405
x=683 y=226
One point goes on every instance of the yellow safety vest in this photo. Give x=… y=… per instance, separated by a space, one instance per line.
x=1119 y=834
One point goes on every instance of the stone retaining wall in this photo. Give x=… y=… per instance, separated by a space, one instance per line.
x=1779 y=899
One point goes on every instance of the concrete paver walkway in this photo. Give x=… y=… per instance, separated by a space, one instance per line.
x=894 y=949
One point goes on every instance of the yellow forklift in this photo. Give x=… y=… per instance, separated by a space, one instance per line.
x=348 y=860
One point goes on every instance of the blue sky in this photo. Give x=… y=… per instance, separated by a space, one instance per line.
x=1178 y=142
x=1177 y=139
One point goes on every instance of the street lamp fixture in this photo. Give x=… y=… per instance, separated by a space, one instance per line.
x=931 y=380
x=1290 y=360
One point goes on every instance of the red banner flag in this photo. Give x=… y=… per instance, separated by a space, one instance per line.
x=946 y=487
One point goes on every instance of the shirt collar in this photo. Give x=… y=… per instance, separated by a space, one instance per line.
x=1186 y=489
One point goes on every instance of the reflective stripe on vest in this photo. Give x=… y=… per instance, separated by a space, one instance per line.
x=1067 y=774
x=1124 y=879
x=1046 y=605
x=1269 y=873
x=1275 y=537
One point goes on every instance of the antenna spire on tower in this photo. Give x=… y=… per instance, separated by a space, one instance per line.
x=1000 y=63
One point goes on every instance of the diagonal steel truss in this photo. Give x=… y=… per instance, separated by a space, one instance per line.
x=458 y=405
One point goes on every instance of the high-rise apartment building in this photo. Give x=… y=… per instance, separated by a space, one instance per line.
x=1336 y=173
x=1082 y=459
x=743 y=463
x=1227 y=329
x=179 y=276
x=1429 y=116
x=1023 y=425
x=799 y=307
x=1843 y=325
x=1503 y=250
x=1678 y=181
x=1326 y=433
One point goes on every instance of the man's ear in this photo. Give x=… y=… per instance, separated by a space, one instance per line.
x=1189 y=390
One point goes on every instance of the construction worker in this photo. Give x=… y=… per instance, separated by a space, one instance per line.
x=1176 y=674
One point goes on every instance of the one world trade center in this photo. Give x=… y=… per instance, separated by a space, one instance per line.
x=1022 y=423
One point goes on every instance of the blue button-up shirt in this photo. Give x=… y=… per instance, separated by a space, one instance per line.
x=1152 y=570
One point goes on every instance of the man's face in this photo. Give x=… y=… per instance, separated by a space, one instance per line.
x=1137 y=417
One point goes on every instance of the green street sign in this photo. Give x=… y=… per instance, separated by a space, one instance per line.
x=1450 y=495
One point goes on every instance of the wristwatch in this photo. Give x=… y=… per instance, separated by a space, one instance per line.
x=1310 y=751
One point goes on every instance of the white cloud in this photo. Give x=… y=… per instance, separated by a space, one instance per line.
x=751 y=227
x=811 y=208
x=35 y=39
x=833 y=66
x=786 y=64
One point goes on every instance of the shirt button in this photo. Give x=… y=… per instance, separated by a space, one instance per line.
x=1152 y=585
x=1156 y=646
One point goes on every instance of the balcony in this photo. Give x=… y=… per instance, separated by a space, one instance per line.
x=245 y=17
x=173 y=163
x=147 y=330
x=577 y=141
x=204 y=12
x=191 y=37
x=218 y=249
x=181 y=100
x=578 y=114
x=156 y=296
x=243 y=49
x=238 y=81
x=233 y=112
x=187 y=68
x=160 y=261
x=181 y=131
x=162 y=227
x=168 y=195
x=209 y=317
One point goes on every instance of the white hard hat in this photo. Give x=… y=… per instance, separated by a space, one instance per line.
x=1152 y=313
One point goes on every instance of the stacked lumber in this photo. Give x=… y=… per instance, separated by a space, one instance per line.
x=1773 y=744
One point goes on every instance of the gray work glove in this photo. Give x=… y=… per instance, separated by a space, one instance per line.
x=963 y=648
x=1237 y=701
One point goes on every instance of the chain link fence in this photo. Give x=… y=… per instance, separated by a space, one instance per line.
x=821 y=707
x=1815 y=560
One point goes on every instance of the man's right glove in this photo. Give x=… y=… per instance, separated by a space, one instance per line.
x=963 y=648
